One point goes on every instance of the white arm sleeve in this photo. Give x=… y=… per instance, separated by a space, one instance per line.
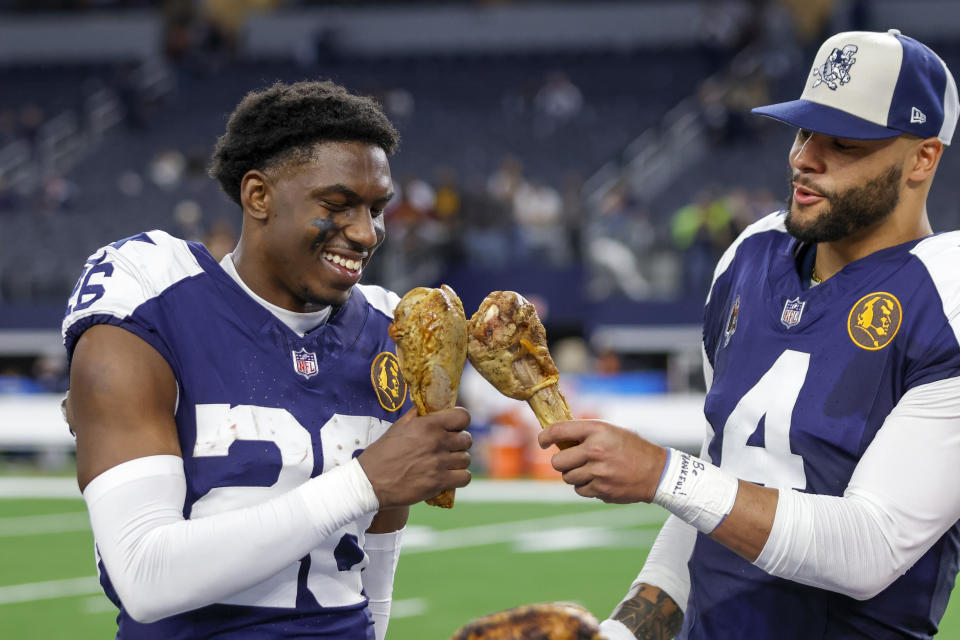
x=161 y=564
x=666 y=568
x=903 y=496
x=383 y=550
x=666 y=565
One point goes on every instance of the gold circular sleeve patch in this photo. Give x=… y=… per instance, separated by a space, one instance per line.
x=387 y=381
x=874 y=320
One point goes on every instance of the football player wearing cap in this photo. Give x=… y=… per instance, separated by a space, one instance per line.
x=233 y=418
x=826 y=498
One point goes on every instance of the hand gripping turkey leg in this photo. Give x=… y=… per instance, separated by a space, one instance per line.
x=508 y=346
x=430 y=331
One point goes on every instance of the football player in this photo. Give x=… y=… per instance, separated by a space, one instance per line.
x=233 y=419
x=826 y=498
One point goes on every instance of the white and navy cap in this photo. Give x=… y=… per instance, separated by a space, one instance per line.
x=868 y=85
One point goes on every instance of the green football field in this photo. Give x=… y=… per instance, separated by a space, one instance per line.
x=478 y=558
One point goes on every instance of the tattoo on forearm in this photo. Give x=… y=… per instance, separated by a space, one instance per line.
x=650 y=614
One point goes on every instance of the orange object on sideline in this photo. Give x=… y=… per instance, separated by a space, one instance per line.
x=538 y=462
x=505 y=453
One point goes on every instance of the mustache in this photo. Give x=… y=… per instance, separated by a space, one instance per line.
x=796 y=179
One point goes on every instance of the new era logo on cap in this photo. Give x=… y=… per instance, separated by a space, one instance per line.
x=871 y=85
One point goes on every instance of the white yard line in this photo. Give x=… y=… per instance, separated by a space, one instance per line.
x=417 y=540
x=99 y=604
x=27 y=487
x=33 y=591
x=424 y=539
x=476 y=491
x=47 y=523
x=518 y=491
x=408 y=608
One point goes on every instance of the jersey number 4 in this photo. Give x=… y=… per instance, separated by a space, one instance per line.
x=769 y=403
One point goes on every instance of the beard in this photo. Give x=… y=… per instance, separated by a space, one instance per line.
x=850 y=211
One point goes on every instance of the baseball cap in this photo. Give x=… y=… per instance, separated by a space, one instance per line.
x=870 y=85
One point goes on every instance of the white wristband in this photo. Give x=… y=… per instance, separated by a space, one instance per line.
x=695 y=491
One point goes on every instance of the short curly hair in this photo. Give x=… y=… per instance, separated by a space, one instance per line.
x=282 y=123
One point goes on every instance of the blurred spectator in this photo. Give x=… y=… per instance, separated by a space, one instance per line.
x=166 y=168
x=401 y=212
x=188 y=215
x=701 y=230
x=811 y=21
x=486 y=224
x=14 y=381
x=540 y=232
x=446 y=211
x=607 y=362
x=50 y=372
x=399 y=104
x=616 y=235
x=714 y=110
x=135 y=107
x=447 y=195
x=558 y=101
x=179 y=16
x=421 y=196
x=573 y=213
x=750 y=88
x=418 y=244
x=226 y=22
x=504 y=182
x=722 y=29
x=571 y=355
x=58 y=193
x=724 y=104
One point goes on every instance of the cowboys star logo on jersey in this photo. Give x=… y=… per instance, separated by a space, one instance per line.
x=387 y=381
x=874 y=320
x=835 y=71
x=305 y=363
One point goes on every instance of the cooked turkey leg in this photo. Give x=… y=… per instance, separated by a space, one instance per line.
x=508 y=346
x=545 y=621
x=430 y=331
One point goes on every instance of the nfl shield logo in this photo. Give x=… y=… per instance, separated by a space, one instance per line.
x=792 y=310
x=305 y=363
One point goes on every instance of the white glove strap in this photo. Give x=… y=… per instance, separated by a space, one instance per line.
x=695 y=491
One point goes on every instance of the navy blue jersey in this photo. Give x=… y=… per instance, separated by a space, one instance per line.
x=260 y=410
x=803 y=378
